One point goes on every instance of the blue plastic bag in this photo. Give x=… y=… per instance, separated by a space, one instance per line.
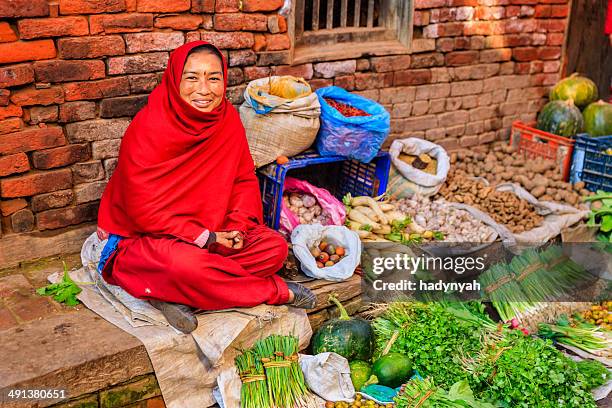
x=358 y=137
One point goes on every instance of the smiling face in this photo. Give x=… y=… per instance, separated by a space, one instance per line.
x=202 y=81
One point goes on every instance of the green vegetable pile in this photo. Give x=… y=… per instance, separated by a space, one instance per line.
x=594 y=372
x=521 y=371
x=589 y=338
x=64 y=291
x=601 y=214
x=432 y=336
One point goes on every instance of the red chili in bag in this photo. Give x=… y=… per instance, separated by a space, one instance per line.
x=344 y=109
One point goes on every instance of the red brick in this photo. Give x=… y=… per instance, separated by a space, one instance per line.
x=32 y=96
x=8 y=207
x=304 y=71
x=433 y=59
x=24 y=8
x=242 y=58
x=490 y=13
x=282 y=24
x=43 y=114
x=551 y=26
x=227 y=6
x=60 y=156
x=77 y=111
x=56 y=199
x=459 y=3
x=559 y=10
x=98 y=89
x=549 y=53
x=372 y=81
x=346 y=82
x=15 y=75
x=64 y=217
x=260 y=42
x=412 y=77
x=4 y=97
x=120 y=23
x=231 y=41
x=522 y=68
x=518 y=40
x=65 y=71
x=139 y=63
x=388 y=64
x=166 y=6
x=52 y=27
x=261 y=5
x=240 y=22
x=483 y=27
x=123 y=106
x=15 y=163
x=10 y=111
x=19 y=51
x=443 y=30
x=7 y=34
x=320 y=83
x=251 y=73
x=525 y=53
x=496 y=55
x=91 y=47
x=421 y=18
x=31 y=139
x=426 y=4
x=277 y=42
x=158 y=41
x=180 y=22
x=36 y=183
x=542 y=11
x=22 y=221
x=520 y=26
x=461 y=58
x=10 y=125
x=555 y=39
x=513 y=11
x=203 y=6
x=144 y=83
x=90 y=7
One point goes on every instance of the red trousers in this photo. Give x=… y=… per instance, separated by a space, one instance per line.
x=174 y=271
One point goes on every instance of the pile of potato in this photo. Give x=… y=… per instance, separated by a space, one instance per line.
x=504 y=207
x=456 y=225
x=503 y=163
x=306 y=208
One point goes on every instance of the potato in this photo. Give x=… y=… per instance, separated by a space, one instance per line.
x=538 y=191
x=579 y=186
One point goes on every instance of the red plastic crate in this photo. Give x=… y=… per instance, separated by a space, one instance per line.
x=537 y=143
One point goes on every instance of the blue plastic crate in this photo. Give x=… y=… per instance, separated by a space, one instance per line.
x=591 y=163
x=337 y=174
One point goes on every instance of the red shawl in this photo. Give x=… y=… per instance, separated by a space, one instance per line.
x=608 y=26
x=182 y=172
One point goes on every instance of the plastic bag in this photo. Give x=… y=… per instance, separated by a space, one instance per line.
x=405 y=180
x=330 y=205
x=305 y=237
x=328 y=375
x=277 y=126
x=357 y=137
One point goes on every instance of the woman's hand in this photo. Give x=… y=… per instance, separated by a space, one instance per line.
x=230 y=239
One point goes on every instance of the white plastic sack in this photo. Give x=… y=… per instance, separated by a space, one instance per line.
x=406 y=180
x=306 y=236
x=329 y=376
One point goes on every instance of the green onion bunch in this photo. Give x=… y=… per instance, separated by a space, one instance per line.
x=254 y=391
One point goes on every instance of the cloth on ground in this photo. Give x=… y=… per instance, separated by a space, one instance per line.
x=186 y=366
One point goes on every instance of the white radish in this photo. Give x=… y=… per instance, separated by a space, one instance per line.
x=362 y=219
x=370 y=202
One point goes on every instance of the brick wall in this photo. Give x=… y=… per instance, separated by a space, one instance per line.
x=73 y=73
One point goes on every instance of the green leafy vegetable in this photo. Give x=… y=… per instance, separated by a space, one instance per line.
x=601 y=214
x=64 y=291
x=594 y=372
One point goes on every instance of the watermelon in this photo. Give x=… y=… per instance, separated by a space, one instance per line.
x=561 y=118
x=393 y=369
x=598 y=119
x=360 y=373
x=351 y=337
x=580 y=89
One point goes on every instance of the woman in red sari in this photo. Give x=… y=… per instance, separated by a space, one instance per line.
x=183 y=211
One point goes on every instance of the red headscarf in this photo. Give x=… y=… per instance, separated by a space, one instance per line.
x=181 y=171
